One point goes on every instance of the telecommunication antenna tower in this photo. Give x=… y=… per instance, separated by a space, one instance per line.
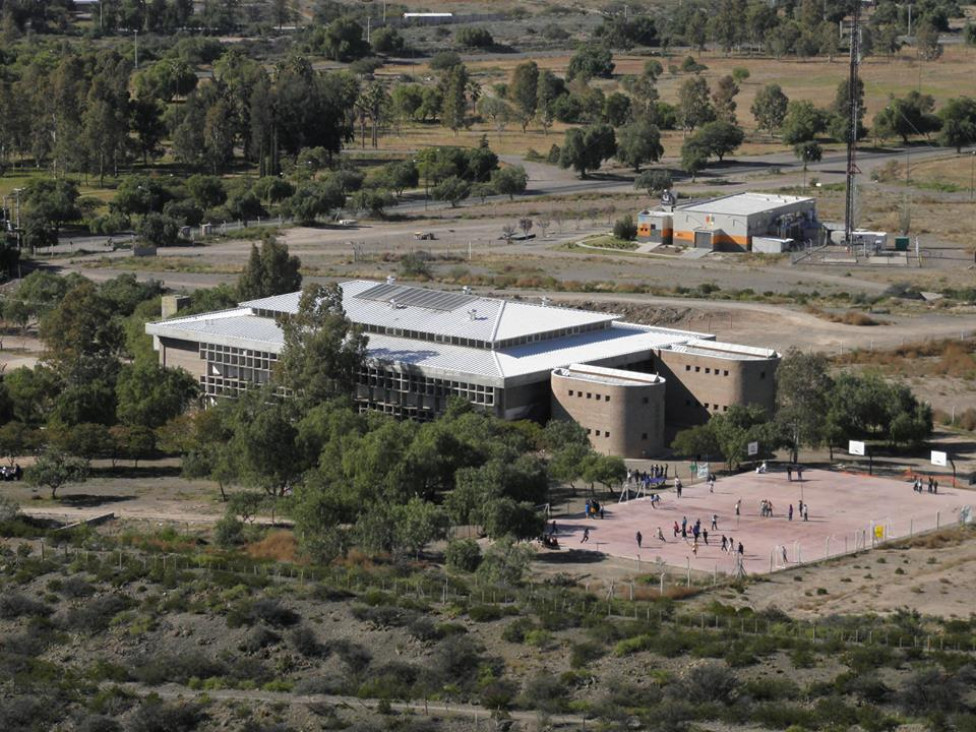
x=850 y=208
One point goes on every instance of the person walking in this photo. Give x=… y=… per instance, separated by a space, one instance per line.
x=790 y=512
x=789 y=473
x=714 y=521
x=806 y=512
x=586 y=535
x=694 y=547
x=660 y=535
x=724 y=543
x=676 y=530
x=738 y=505
x=640 y=539
x=741 y=549
x=705 y=536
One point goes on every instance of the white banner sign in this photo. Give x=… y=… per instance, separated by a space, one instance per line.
x=939 y=458
x=703 y=471
x=753 y=448
x=855 y=448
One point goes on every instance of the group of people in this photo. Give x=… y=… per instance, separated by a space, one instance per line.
x=919 y=487
x=656 y=473
x=798 y=469
x=766 y=510
x=594 y=509
x=696 y=531
x=8 y=473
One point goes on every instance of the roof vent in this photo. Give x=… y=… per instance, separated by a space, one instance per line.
x=473 y=314
x=390 y=280
x=545 y=302
x=466 y=290
x=393 y=304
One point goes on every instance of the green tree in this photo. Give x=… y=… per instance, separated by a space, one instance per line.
x=269 y=271
x=387 y=41
x=909 y=116
x=324 y=351
x=723 y=99
x=719 y=138
x=453 y=189
x=803 y=387
x=694 y=107
x=585 y=149
x=803 y=122
x=149 y=395
x=927 y=40
x=523 y=91
x=807 y=152
x=958 y=123
x=417 y=523
x=694 y=156
x=264 y=444
x=55 y=469
x=454 y=106
x=509 y=181
x=313 y=199
x=590 y=61
x=653 y=181
x=639 y=143
x=769 y=107
x=16 y=439
x=83 y=337
x=50 y=205
x=344 y=40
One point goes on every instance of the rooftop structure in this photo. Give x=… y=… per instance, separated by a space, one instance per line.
x=744 y=204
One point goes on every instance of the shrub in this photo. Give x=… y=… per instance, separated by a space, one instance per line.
x=585 y=652
x=9 y=508
x=472 y=37
x=16 y=605
x=625 y=228
x=356 y=657
x=273 y=613
x=546 y=694
x=304 y=640
x=157 y=716
x=229 y=532
x=76 y=587
x=96 y=615
x=463 y=555
x=159 y=669
x=515 y=631
x=98 y=723
x=259 y=637
x=486 y=613
x=710 y=682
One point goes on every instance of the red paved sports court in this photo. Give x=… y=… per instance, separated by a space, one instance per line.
x=845 y=512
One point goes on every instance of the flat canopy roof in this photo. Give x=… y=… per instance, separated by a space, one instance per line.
x=744 y=204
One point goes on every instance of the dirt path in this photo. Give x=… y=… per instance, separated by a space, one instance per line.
x=472 y=712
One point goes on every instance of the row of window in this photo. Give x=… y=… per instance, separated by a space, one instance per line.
x=233 y=356
x=708 y=370
x=590 y=395
x=606 y=433
x=706 y=405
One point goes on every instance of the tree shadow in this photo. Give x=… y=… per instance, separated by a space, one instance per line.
x=128 y=471
x=570 y=556
x=84 y=500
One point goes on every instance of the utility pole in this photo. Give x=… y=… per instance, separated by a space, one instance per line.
x=850 y=204
x=135 y=44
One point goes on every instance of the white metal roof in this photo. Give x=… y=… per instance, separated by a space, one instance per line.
x=743 y=204
x=242 y=329
x=731 y=351
x=435 y=312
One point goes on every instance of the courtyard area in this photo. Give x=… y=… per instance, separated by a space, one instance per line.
x=846 y=512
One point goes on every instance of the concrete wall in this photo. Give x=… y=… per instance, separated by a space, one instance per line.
x=175 y=353
x=702 y=385
x=620 y=419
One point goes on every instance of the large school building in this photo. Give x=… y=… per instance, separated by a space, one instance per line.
x=626 y=384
